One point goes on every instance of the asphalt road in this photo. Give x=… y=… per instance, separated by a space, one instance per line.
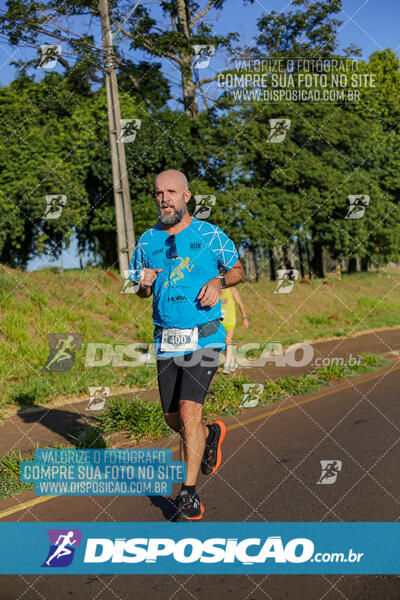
x=270 y=471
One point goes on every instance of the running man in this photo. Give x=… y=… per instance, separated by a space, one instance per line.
x=178 y=261
x=62 y=549
x=229 y=298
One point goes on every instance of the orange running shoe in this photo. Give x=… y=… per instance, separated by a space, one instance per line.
x=189 y=507
x=212 y=456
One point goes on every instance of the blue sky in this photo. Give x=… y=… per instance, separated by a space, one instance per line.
x=370 y=24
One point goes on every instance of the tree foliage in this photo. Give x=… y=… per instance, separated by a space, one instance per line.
x=54 y=140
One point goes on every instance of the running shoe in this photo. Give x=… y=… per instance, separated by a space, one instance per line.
x=189 y=507
x=212 y=452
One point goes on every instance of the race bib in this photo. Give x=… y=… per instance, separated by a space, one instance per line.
x=177 y=340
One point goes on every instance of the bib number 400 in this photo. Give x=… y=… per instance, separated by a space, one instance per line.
x=177 y=340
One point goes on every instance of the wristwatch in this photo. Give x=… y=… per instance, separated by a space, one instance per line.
x=223 y=281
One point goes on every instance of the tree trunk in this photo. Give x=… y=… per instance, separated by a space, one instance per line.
x=301 y=258
x=253 y=251
x=286 y=259
x=365 y=263
x=352 y=268
x=188 y=89
x=250 y=266
x=261 y=261
x=308 y=258
x=272 y=269
x=317 y=263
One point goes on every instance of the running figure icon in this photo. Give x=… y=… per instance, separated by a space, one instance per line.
x=62 y=348
x=62 y=549
x=177 y=274
x=330 y=470
x=62 y=351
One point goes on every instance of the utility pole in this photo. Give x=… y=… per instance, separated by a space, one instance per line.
x=123 y=210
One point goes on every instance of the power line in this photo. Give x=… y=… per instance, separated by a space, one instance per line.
x=119 y=27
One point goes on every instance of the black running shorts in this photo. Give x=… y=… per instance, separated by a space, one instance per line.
x=186 y=377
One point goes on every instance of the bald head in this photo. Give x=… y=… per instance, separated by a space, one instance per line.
x=171 y=189
x=172 y=177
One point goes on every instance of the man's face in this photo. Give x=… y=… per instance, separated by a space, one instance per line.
x=172 y=196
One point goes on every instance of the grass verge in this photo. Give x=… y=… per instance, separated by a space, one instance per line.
x=10 y=482
x=89 y=302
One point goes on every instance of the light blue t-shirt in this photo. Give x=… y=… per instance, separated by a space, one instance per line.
x=202 y=248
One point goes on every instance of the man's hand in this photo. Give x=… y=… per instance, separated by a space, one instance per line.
x=148 y=276
x=146 y=280
x=210 y=292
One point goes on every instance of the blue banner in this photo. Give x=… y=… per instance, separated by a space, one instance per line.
x=111 y=472
x=208 y=548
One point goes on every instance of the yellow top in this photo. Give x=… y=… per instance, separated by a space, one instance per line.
x=228 y=308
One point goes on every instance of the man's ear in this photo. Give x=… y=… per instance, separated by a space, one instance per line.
x=188 y=195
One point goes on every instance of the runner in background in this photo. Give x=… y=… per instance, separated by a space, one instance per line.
x=229 y=298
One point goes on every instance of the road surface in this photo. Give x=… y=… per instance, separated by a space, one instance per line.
x=270 y=471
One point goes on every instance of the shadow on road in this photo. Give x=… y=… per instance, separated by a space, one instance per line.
x=166 y=506
x=64 y=423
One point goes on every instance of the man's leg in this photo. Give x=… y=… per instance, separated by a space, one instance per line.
x=193 y=438
x=169 y=382
x=198 y=370
x=174 y=422
x=187 y=422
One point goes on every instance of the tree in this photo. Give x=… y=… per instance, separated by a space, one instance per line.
x=176 y=43
x=310 y=31
x=43 y=152
x=50 y=13
x=30 y=22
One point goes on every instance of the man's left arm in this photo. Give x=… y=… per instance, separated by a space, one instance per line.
x=210 y=292
x=234 y=275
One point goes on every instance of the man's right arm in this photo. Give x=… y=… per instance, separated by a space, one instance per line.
x=139 y=270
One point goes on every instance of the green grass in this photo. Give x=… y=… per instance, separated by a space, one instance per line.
x=143 y=420
x=41 y=388
x=89 y=302
x=10 y=463
x=90 y=437
x=321 y=376
x=298 y=386
x=225 y=396
x=10 y=483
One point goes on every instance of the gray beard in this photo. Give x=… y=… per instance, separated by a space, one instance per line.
x=171 y=219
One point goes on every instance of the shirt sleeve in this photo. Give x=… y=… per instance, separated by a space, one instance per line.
x=224 y=249
x=139 y=261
